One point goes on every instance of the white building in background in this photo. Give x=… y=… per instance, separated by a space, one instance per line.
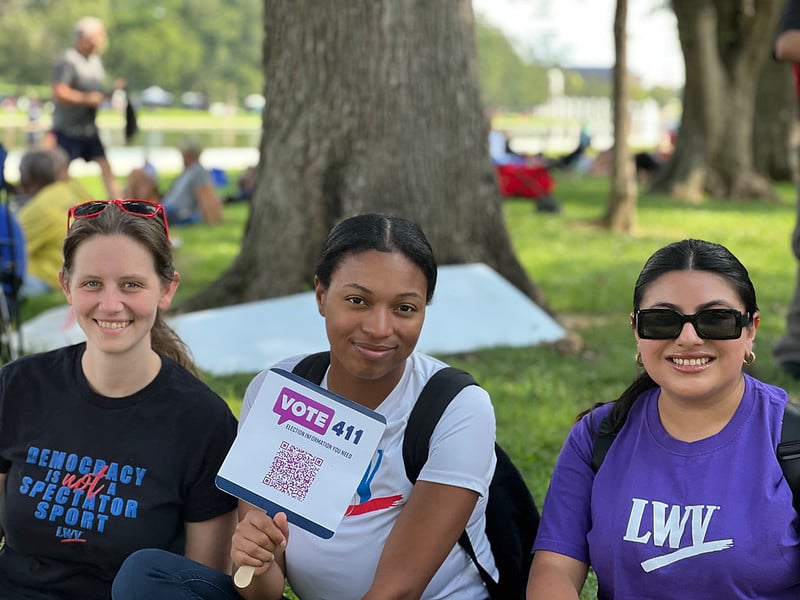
x=564 y=116
x=555 y=83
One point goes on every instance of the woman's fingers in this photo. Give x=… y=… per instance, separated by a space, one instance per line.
x=256 y=539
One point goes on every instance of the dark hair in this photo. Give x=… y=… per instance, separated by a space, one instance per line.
x=384 y=233
x=38 y=168
x=686 y=255
x=151 y=234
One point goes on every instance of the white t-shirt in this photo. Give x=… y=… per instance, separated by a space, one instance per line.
x=461 y=454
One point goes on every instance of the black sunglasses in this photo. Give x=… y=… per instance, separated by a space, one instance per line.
x=710 y=324
x=139 y=208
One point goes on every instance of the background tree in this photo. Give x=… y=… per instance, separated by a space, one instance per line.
x=773 y=126
x=621 y=213
x=212 y=46
x=506 y=79
x=725 y=45
x=372 y=105
x=32 y=35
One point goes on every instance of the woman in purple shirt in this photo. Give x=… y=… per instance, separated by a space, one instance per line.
x=690 y=500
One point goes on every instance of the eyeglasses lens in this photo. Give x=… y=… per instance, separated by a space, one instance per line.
x=88 y=209
x=714 y=324
x=139 y=208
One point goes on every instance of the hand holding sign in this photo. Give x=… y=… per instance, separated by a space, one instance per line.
x=258 y=537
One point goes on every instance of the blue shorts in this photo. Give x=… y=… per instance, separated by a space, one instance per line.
x=88 y=148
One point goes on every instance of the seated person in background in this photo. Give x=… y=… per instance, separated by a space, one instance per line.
x=500 y=150
x=142 y=184
x=12 y=258
x=192 y=197
x=36 y=170
x=44 y=174
x=647 y=164
x=12 y=245
x=246 y=184
x=570 y=160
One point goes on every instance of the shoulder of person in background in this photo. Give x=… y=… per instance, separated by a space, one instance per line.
x=787 y=42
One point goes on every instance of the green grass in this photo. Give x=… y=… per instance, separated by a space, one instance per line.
x=587 y=275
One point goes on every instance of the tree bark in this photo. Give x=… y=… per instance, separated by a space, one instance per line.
x=372 y=105
x=725 y=45
x=774 y=126
x=621 y=213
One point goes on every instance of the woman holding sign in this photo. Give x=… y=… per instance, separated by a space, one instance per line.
x=376 y=276
x=110 y=445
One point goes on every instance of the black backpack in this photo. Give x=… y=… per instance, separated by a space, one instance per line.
x=788 y=450
x=511 y=514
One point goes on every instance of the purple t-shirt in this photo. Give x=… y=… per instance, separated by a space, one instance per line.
x=669 y=519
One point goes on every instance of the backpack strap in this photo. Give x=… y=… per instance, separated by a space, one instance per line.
x=789 y=450
x=313 y=366
x=434 y=398
x=602 y=442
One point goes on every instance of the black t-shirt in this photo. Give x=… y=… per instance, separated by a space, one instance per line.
x=90 y=479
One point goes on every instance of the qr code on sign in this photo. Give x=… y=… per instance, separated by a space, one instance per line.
x=293 y=471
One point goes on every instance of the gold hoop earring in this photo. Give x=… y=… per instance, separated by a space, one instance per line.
x=639 y=362
x=750 y=358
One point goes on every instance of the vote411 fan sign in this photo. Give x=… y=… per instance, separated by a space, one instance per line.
x=302 y=450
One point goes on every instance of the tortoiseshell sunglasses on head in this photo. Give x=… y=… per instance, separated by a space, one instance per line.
x=139 y=208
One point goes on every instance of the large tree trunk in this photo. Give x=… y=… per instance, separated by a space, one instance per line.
x=621 y=214
x=725 y=44
x=372 y=105
x=773 y=129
